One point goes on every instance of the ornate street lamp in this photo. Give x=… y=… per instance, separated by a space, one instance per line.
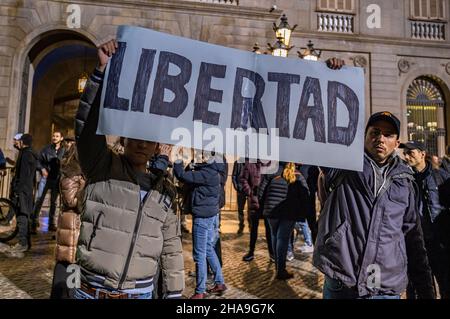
x=82 y=82
x=279 y=48
x=283 y=30
x=256 y=49
x=83 y=78
x=309 y=53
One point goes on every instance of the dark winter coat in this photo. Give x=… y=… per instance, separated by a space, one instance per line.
x=360 y=227
x=283 y=200
x=24 y=179
x=238 y=167
x=205 y=180
x=250 y=179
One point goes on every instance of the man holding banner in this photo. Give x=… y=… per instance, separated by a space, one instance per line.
x=129 y=220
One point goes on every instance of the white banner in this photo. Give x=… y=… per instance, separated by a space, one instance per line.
x=175 y=90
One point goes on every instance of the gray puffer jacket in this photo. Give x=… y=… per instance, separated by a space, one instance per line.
x=122 y=239
x=363 y=227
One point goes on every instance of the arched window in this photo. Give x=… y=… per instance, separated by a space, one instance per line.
x=425 y=113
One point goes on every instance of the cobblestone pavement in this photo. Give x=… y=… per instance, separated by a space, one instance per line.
x=31 y=276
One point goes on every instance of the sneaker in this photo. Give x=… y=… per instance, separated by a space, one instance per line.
x=306 y=249
x=198 y=296
x=18 y=248
x=284 y=275
x=249 y=257
x=290 y=256
x=4 y=248
x=218 y=289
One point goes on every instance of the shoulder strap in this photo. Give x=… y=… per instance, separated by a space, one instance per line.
x=337 y=180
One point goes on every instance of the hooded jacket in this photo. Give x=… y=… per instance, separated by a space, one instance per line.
x=364 y=225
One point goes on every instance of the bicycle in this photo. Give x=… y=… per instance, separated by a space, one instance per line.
x=8 y=221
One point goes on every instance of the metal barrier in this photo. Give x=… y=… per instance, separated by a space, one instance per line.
x=6 y=176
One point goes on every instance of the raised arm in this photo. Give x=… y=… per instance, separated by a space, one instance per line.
x=92 y=148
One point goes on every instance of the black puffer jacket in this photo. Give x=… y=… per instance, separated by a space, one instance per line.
x=283 y=200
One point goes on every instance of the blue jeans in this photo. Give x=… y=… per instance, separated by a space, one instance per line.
x=335 y=289
x=79 y=294
x=303 y=225
x=41 y=186
x=205 y=232
x=281 y=230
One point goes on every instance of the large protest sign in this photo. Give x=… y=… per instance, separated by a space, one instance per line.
x=180 y=91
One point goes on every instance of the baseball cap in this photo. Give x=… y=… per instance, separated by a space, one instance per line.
x=384 y=116
x=18 y=136
x=413 y=145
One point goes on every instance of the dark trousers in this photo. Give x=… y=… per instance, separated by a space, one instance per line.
x=312 y=217
x=59 y=284
x=253 y=221
x=241 y=198
x=281 y=231
x=53 y=185
x=23 y=204
x=438 y=252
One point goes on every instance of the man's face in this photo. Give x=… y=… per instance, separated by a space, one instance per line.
x=139 y=152
x=381 y=141
x=57 y=138
x=16 y=144
x=414 y=158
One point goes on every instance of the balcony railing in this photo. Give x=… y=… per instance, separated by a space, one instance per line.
x=332 y=22
x=232 y=2
x=428 y=30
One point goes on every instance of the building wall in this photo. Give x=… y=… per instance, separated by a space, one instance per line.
x=24 y=23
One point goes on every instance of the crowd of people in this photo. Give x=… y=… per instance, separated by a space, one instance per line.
x=380 y=231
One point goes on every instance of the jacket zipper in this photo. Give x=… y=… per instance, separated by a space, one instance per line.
x=94 y=231
x=377 y=196
x=133 y=240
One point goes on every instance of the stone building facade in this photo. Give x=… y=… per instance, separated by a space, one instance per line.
x=403 y=45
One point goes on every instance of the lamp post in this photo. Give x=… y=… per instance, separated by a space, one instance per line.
x=83 y=78
x=309 y=53
x=283 y=30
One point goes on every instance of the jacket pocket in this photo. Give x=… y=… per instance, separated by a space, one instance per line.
x=94 y=230
x=340 y=230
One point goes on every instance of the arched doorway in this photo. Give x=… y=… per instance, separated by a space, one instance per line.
x=50 y=92
x=425 y=114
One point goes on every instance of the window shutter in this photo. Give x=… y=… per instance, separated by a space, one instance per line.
x=323 y=4
x=332 y=4
x=424 y=9
x=441 y=11
x=348 y=5
x=416 y=8
x=433 y=9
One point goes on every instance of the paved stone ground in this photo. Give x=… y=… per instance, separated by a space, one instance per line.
x=31 y=276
